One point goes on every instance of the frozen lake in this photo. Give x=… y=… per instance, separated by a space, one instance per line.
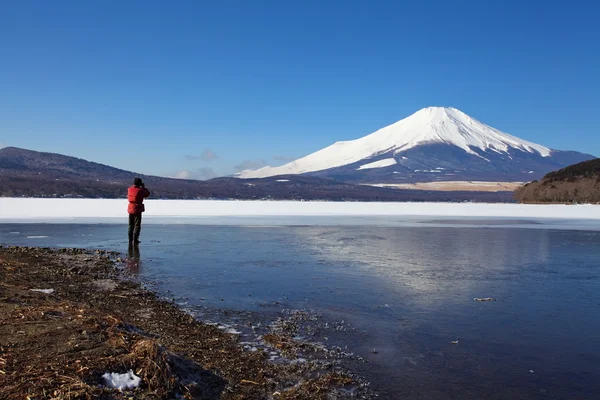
x=406 y=291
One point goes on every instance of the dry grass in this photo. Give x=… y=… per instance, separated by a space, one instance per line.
x=456 y=186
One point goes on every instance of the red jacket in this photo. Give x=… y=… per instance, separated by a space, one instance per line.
x=136 y=196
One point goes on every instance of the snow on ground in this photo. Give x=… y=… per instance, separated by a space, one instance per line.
x=378 y=164
x=45 y=291
x=122 y=381
x=70 y=210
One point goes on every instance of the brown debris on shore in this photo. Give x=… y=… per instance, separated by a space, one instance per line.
x=58 y=345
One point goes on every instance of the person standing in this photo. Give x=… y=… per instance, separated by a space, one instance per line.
x=136 y=195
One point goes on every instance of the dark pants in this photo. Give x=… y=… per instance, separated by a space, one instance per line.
x=135 y=226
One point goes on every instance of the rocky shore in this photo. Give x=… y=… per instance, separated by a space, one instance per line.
x=70 y=316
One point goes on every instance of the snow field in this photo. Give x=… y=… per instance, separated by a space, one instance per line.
x=40 y=210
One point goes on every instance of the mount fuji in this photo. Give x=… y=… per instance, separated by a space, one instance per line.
x=433 y=144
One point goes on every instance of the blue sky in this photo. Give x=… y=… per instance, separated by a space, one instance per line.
x=210 y=86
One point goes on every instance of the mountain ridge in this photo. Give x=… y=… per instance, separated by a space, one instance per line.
x=31 y=161
x=28 y=173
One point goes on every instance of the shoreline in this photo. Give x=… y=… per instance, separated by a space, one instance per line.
x=97 y=321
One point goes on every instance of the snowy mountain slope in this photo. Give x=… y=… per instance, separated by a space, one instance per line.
x=454 y=140
x=386 y=162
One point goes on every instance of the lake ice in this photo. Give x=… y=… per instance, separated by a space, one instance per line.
x=396 y=280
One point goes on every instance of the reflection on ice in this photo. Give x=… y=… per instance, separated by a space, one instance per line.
x=430 y=259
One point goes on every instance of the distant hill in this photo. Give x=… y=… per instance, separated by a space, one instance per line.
x=36 y=174
x=21 y=162
x=579 y=183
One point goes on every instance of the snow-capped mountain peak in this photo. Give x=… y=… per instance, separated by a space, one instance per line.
x=451 y=126
x=432 y=125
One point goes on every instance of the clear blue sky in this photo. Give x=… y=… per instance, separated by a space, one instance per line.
x=204 y=86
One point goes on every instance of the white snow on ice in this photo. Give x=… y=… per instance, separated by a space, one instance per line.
x=37 y=237
x=193 y=211
x=378 y=164
x=122 y=381
x=46 y=291
x=429 y=125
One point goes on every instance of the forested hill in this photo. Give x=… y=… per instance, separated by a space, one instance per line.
x=579 y=183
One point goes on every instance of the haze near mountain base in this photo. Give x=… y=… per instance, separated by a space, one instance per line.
x=433 y=144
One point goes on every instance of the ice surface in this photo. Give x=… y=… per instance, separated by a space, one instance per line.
x=122 y=381
x=430 y=125
x=194 y=211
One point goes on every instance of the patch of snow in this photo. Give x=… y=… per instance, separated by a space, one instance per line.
x=404 y=158
x=531 y=172
x=282 y=180
x=46 y=291
x=37 y=237
x=128 y=380
x=429 y=125
x=378 y=164
x=233 y=331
